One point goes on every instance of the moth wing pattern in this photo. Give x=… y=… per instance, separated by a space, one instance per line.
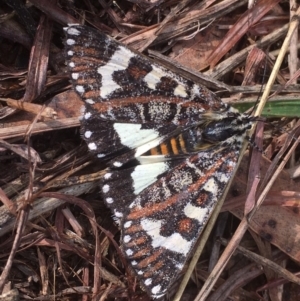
x=162 y=224
x=127 y=95
x=133 y=105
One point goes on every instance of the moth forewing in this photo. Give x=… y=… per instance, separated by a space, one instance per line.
x=209 y=226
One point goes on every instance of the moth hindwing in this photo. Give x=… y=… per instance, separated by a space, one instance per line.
x=172 y=146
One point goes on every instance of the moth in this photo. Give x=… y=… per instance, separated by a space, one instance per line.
x=171 y=145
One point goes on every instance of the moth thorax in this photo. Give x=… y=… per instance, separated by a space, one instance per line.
x=218 y=131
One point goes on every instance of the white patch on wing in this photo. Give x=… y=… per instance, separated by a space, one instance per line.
x=180 y=91
x=87 y=115
x=118 y=164
x=75 y=76
x=153 y=77
x=79 y=89
x=109 y=200
x=197 y=213
x=105 y=188
x=88 y=134
x=73 y=31
x=128 y=224
x=107 y=175
x=89 y=101
x=118 y=214
x=156 y=289
x=144 y=175
x=70 y=53
x=127 y=238
x=129 y=252
x=70 y=42
x=132 y=136
x=118 y=62
x=211 y=186
x=175 y=242
x=92 y=146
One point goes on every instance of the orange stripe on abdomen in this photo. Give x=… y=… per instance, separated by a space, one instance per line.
x=175 y=149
